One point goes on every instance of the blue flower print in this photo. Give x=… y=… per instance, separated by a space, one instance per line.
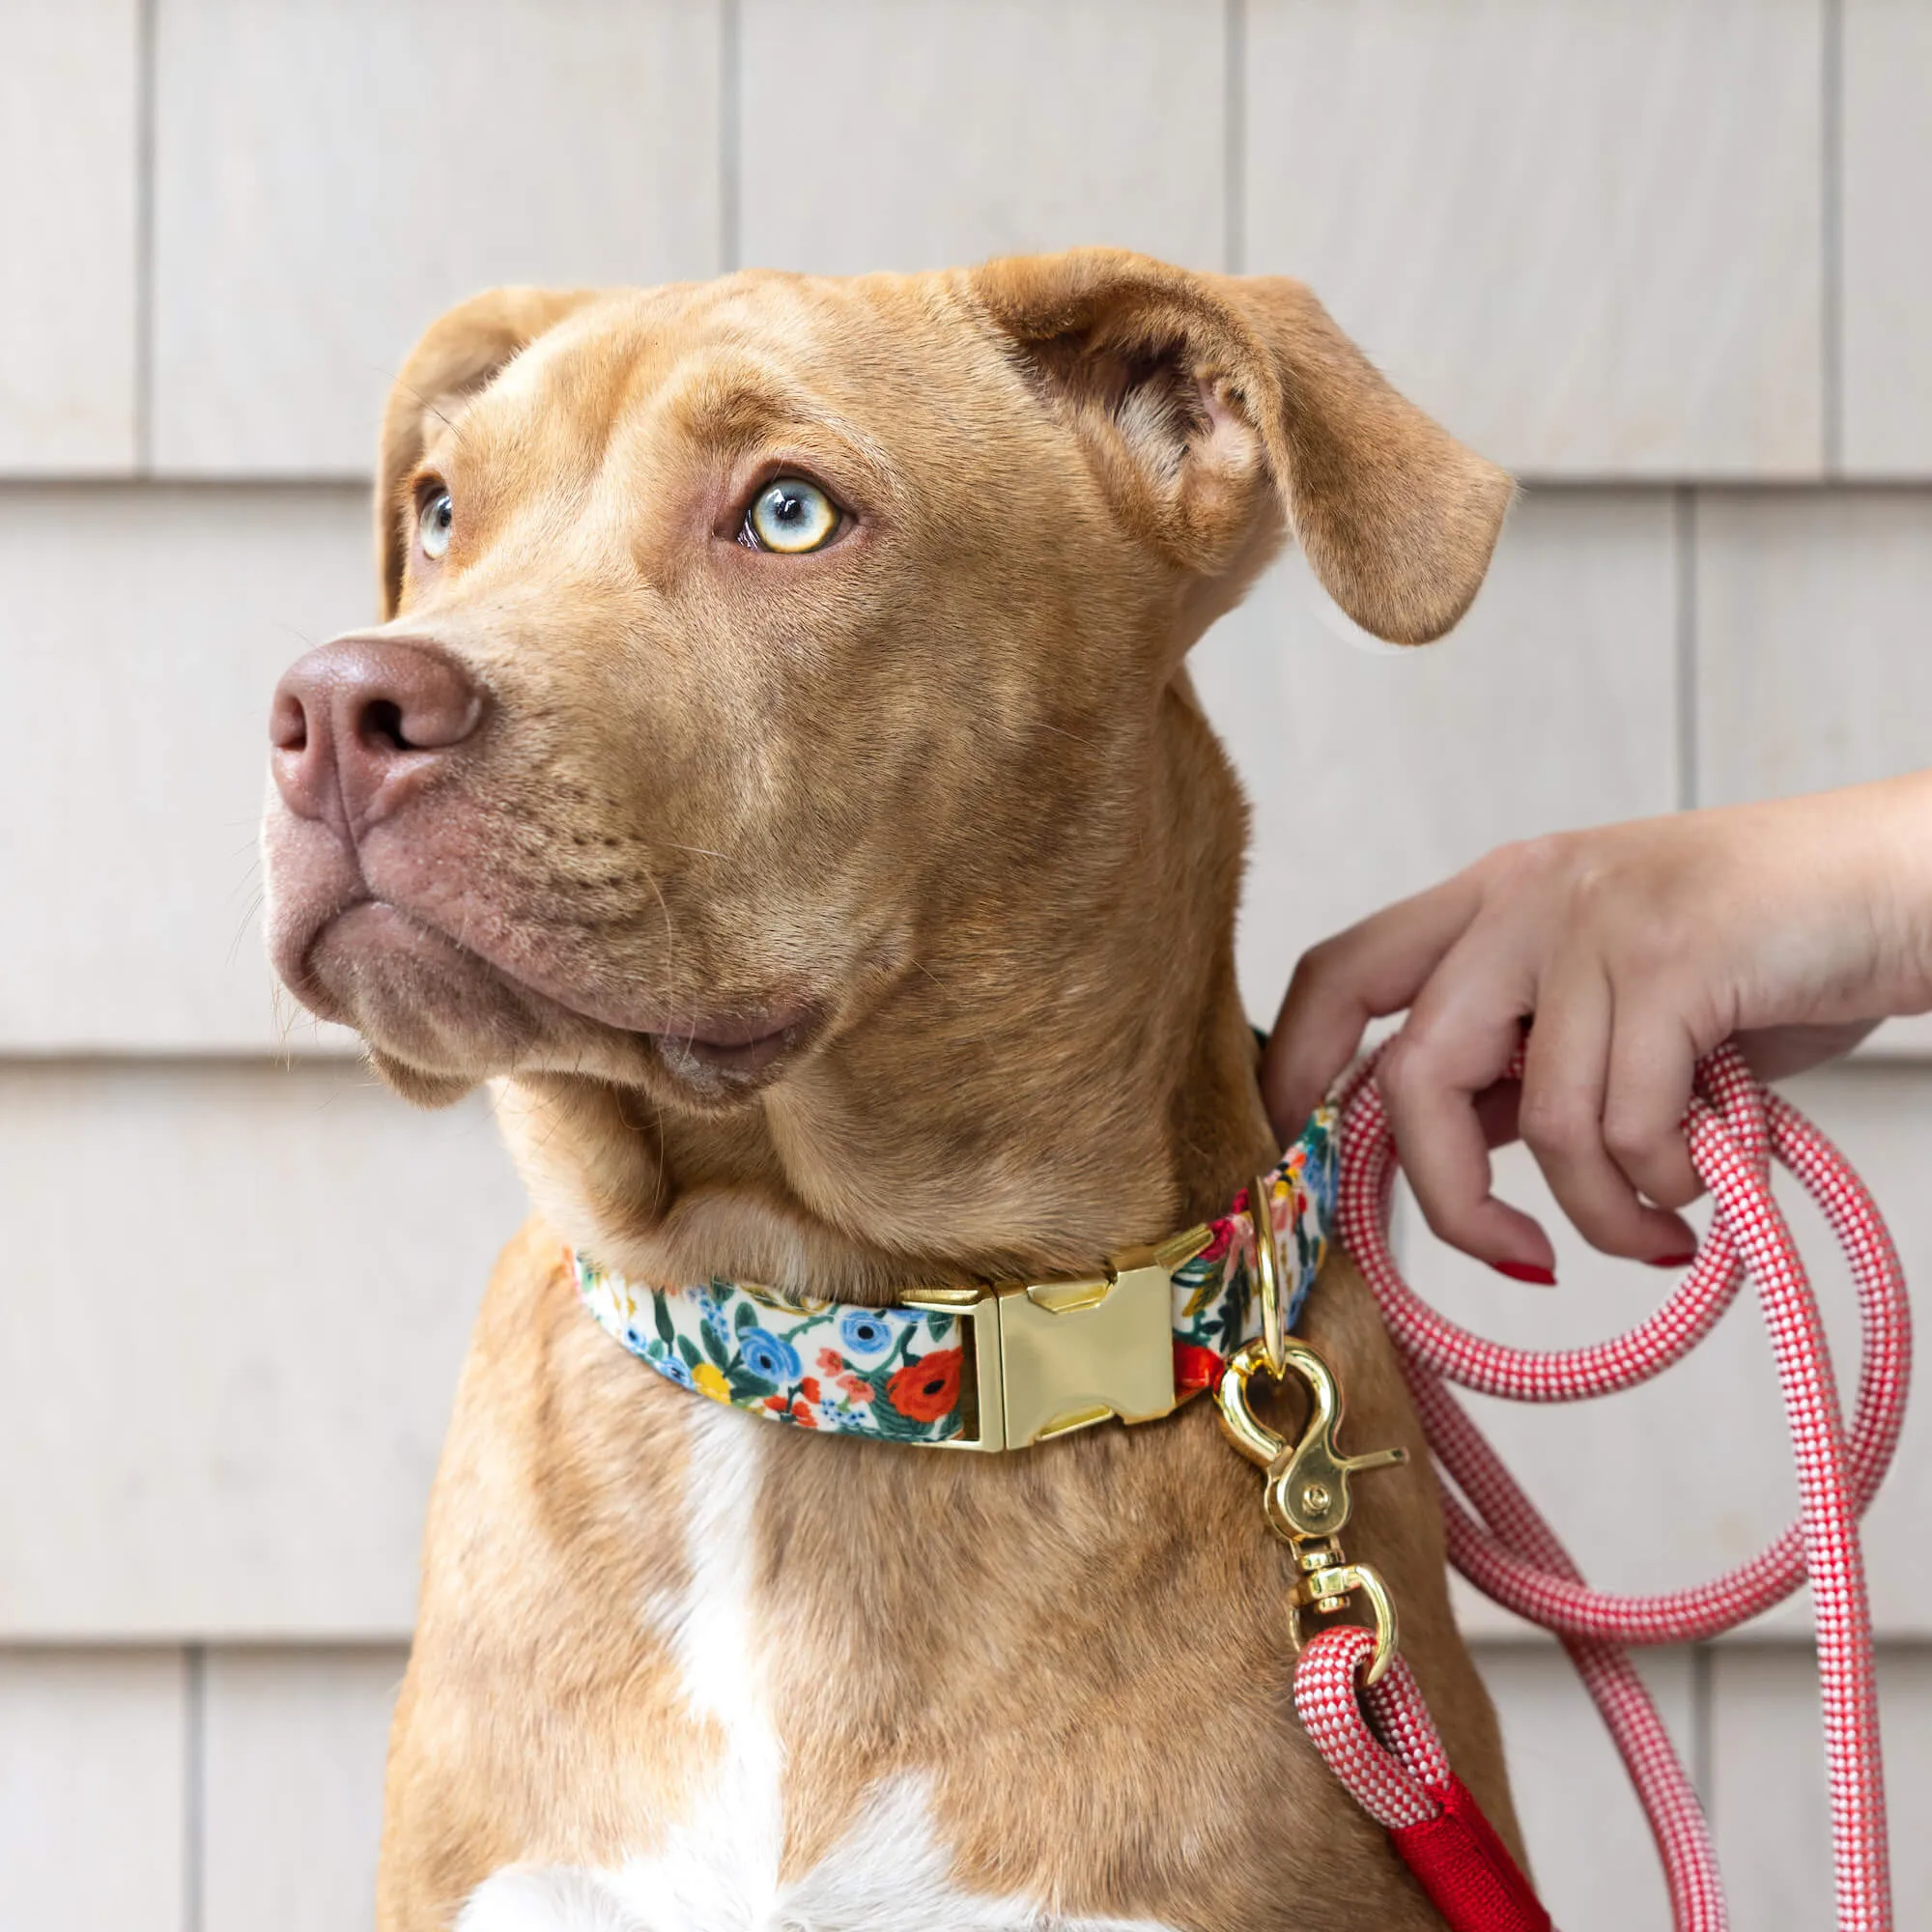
x=864 y=1333
x=767 y=1357
x=666 y=1362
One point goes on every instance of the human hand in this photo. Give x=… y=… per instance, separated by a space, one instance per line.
x=1792 y=926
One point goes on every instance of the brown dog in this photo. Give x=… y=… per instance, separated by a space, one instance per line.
x=842 y=914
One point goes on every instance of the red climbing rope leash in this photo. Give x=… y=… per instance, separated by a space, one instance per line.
x=1380 y=1740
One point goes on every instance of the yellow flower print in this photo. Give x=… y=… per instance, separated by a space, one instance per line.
x=708 y=1380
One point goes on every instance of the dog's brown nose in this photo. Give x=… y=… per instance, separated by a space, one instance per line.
x=360 y=724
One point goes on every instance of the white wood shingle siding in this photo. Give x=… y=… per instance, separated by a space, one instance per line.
x=1669 y=260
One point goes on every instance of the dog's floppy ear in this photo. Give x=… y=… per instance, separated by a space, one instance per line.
x=1209 y=402
x=458 y=353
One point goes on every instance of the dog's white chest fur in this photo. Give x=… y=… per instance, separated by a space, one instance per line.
x=717 y=1869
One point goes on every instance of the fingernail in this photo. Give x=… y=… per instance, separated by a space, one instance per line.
x=1672 y=1261
x=1538 y=1278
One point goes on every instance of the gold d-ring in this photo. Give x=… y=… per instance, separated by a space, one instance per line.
x=1267 y=1274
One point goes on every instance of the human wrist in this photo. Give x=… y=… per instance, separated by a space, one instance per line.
x=1879 y=844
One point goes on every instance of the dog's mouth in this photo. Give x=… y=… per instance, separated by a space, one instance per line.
x=448 y=1006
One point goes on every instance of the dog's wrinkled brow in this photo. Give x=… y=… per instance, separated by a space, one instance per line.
x=737 y=411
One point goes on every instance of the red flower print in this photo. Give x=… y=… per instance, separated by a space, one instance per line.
x=830 y=1361
x=802 y=1414
x=1217 y=1243
x=929 y=1388
x=1195 y=1368
x=857 y=1387
x=776 y=1404
x=808 y=1388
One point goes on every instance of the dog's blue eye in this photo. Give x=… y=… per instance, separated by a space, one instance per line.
x=433 y=524
x=791 y=515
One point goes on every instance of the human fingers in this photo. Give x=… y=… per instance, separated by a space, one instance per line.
x=1375 y=967
x=1565 y=1077
x=1652 y=1063
x=1438 y=1079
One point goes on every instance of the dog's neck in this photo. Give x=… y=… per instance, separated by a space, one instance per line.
x=1060 y=1076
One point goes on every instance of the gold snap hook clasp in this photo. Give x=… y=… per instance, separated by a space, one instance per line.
x=1308 y=1480
x=1306 y=1496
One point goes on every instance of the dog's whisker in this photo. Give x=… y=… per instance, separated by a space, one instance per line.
x=430 y=408
x=256 y=899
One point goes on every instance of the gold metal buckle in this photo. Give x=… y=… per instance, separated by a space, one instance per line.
x=1053 y=1356
x=1306 y=1499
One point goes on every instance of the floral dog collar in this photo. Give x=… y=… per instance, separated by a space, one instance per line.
x=990 y=1368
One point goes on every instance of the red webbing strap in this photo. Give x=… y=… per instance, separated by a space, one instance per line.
x=1466 y=1870
x=1384 y=1748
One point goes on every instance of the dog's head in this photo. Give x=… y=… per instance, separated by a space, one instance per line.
x=745 y=641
